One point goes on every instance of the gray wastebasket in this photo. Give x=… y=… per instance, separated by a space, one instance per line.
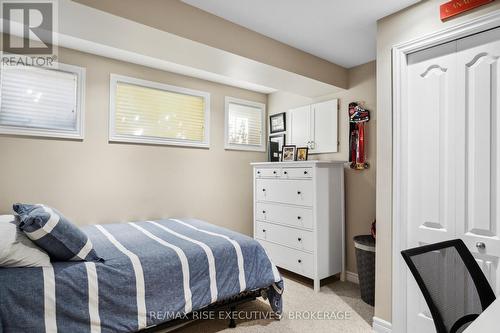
x=365 y=258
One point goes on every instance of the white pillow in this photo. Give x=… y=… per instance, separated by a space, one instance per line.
x=16 y=250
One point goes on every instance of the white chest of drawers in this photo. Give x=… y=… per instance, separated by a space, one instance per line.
x=299 y=216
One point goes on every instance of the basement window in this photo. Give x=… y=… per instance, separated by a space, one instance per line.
x=156 y=113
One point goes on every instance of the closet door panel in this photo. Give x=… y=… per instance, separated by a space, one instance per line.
x=429 y=123
x=478 y=219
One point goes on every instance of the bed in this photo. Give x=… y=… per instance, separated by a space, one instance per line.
x=152 y=273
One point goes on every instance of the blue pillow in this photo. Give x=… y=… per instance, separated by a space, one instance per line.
x=51 y=231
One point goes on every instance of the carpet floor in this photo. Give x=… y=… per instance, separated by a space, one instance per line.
x=336 y=308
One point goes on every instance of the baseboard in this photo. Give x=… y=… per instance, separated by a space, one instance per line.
x=381 y=326
x=352 y=277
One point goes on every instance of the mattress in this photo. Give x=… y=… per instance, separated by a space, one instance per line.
x=153 y=272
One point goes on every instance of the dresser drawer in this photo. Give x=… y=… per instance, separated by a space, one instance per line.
x=299 y=173
x=294 y=192
x=268 y=172
x=287 y=215
x=293 y=260
x=296 y=238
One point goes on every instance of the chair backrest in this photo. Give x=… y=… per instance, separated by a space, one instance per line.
x=452 y=283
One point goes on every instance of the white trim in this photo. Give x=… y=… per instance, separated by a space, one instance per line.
x=79 y=132
x=113 y=137
x=381 y=326
x=243 y=102
x=352 y=277
x=399 y=65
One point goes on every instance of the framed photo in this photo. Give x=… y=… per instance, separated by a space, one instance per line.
x=279 y=139
x=302 y=153
x=278 y=122
x=276 y=143
x=288 y=153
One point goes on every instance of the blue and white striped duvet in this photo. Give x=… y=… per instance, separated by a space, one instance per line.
x=153 y=272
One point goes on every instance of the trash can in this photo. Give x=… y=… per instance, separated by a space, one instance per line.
x=365 y=258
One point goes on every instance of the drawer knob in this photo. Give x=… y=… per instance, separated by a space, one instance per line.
x=300 y=261
x=263 y=230
x=274 y=172
x=298 y=217
x=299 y=239
x=299 y=193
x=305 y=172
x=263 y=212
x=258 y=172
x=286 y=172
x=263 y=190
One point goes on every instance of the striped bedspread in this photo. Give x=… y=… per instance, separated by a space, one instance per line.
x=153 y=271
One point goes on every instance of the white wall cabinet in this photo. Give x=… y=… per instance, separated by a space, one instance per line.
x=314 y=126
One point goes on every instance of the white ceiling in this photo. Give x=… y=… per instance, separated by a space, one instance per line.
x=342 y=32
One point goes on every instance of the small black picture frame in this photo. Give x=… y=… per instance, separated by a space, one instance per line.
x=288 y=153
x=302 y=153
x=277 y=123
x=276 y=143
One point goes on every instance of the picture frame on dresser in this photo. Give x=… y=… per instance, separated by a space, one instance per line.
x=276 y=143
x=288 y=153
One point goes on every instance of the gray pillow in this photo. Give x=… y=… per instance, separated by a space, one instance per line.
x=16 y=250
x=51 y=231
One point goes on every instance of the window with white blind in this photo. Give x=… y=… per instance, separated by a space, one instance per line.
x=150 y=112
x=244 y=125
x=41 y=101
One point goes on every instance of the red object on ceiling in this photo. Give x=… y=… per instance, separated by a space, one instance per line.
x=455 y=7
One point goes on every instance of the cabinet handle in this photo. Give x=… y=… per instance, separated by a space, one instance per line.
x=299 y=239
x=298 y=217
x=300 y=261
x=299 y=193
x=480 y=245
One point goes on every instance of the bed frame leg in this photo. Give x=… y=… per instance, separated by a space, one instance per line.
x=232 y=322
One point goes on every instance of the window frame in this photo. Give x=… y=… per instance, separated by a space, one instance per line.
x=79 y=132
x=114 y=137
x=234 y=146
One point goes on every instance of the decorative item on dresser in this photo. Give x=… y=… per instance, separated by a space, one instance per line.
x=299 y=216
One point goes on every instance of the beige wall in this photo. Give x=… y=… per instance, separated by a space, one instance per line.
x=359 y=185
x=93 y=181
x=190 y=22
x=413 y=22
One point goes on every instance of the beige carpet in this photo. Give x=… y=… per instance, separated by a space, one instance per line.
x=335 y=300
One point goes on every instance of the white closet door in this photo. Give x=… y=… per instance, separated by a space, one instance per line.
x=478 y=143
x=325 y=116
x=300 y=126
x=430 y=163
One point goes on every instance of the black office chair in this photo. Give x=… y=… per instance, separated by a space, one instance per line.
x=452 y=283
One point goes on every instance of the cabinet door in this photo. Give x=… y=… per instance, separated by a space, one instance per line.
x=325 y=120
x=300 y=126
